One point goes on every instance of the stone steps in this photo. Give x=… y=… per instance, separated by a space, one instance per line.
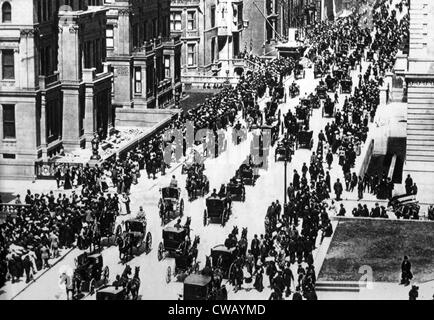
x=339 y=286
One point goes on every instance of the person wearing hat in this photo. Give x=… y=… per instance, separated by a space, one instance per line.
x=406 y=274
x=414 y=293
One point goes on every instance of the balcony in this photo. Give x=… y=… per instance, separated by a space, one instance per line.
x=171 y=41
x=164 y=85
x=46 y=82
x=223 y=31
x=185 y=3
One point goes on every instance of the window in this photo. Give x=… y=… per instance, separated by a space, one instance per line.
x=138 y=80
x=6 y=12
x=212 y=16
x=8 y=68
x=191 y=54
x=176 y=21
x=9 y=121
x=109 y=37
x=167 y=67
x=191 y=20
x=212 y=50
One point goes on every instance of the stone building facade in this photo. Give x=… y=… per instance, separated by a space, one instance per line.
x=145 y=58
x=211 y=33
x=55 y=88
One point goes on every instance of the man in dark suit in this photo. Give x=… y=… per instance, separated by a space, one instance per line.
x=338 y=190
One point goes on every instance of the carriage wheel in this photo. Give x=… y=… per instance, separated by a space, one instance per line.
x=168 y=274
x=148 y=242
x=160 y=251
x=231 y=268
x=181 y=208
x=205 y=217
x=244 y=194
x=223 y=218
x=106 y=275
x=92 y=287
x=118 y=231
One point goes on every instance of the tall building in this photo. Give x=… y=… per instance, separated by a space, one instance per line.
x=211 y=33
x=420 y=89
x=145 y=58
x=55 y=88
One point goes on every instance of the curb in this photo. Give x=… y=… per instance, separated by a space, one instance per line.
x=44 y=272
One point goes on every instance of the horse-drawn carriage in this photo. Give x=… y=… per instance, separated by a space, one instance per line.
x=284 y=149
x=133 y=239
x=192 y=163
x=346 y=85
x=217 y=209
x=329 y=109
x=197 y=287
x=171 y=204
x=89 y=273
x=404 y=206
x=223 y=259
x=294 y=90
x=312 y=102
x=247 y=174
x=185 y=257
x=321 y=91
x=331 y=83
x=111 y=293
x=299 y=72
x=236 y=190
x=304 y=139
x=303 y=113
x=197 y=185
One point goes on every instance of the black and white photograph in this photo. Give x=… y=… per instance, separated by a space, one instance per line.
x=216 y=150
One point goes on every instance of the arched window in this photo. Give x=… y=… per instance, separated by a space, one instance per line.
x=6 y=12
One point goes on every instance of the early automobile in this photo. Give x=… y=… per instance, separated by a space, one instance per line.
x=223 y=259
x=171 y=204
x=331 y=83
x=111 y=293
x=321 y=91
x=217 y=210
x=197 y=287
x=89 y=273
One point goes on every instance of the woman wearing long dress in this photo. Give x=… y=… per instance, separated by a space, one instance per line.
x=67 y=185
x=258 y=279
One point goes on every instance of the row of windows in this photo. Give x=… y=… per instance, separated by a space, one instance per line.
x=138 y=76
x=176 y=20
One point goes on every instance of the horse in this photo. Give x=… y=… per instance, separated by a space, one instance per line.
x=193 y=252
x=95 y=238
x=125 y=246
x=125 y=277
x=133 y=285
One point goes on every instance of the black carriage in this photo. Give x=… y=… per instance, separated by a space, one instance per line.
x=135 y=229
x=171 y=204
x=247 y=174
x=284 y=150
x=111 y=293
x=370 y=56
x=236 y=190
x=329 y=109
x=299 y=72
x=217 y=210
x=197 y=287
x=321 y=92
x=346 y=85
x=90 y=273
x=305 y=139
x=172 y=239
x=331 y=84
x=223 y=259
x=197 y=185
x=303 y=113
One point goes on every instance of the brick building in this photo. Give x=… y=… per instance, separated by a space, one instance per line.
x=55 y=88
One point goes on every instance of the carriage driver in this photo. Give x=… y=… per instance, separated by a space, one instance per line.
x=174 y=182
x=141 y=215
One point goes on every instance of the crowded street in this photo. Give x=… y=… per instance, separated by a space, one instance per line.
x=321 y=112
